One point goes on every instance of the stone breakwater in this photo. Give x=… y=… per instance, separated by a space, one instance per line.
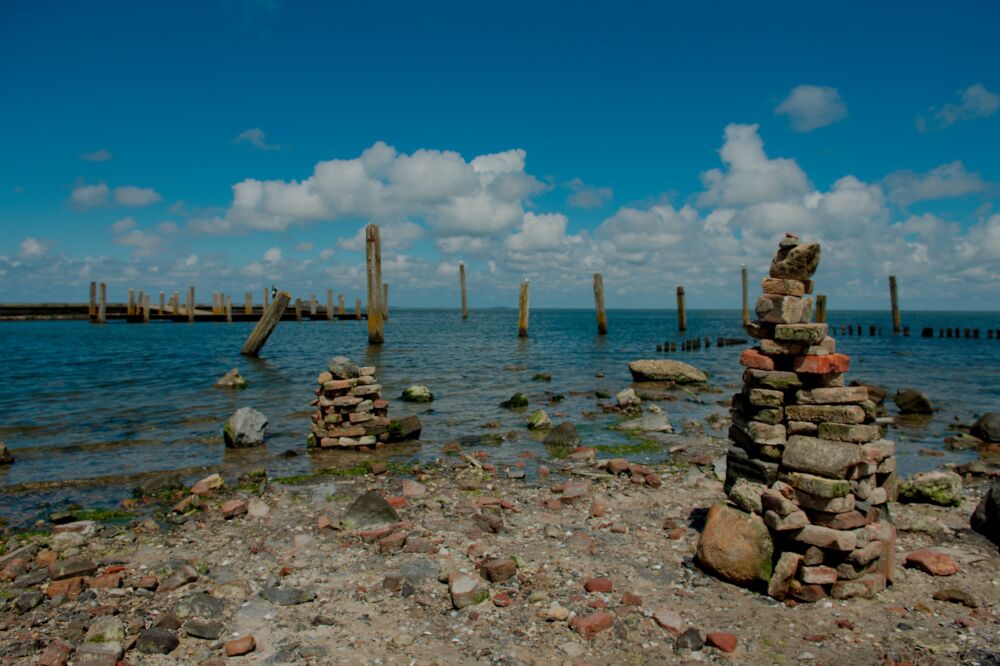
x=350 y=411
x=808 y=459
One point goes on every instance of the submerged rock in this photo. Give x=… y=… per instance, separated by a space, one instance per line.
x=417 y=393
x=232 y=379
x=912 y=401
x=515 y=401
x=403 y=429
x=986 y=427
x=563 y=435
x=648 y=423
x=986 y=518
x=736 y=546
x=369 y=509
x=5 y=455
x=665 y=370
x=539 y=420
x=245 y=428
x=628 y=400
x=941 y=488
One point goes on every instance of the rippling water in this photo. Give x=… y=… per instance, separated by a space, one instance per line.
x=80 y=401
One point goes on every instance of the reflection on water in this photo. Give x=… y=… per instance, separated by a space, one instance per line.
x=81 y=401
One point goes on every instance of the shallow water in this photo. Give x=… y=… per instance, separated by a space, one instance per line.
x=82 y=402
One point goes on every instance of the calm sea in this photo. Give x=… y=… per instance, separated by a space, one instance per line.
x=98 y=405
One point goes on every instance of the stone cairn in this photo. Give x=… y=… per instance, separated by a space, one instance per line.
x=809 y=448
x=350 y=411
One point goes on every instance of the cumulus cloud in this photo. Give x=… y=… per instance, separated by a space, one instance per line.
x=123 y=225
x=89 y=196
x=811 y=107
x=539 y=233
x=393 y=236
x=256 y=137
x=976 y=102
x=130 y=195
x=31 y=248
x=944 y=182
x=99 y=155
x=143 y=243
x=587 y=196
x=304 y=246
x=273 y=255
x=326 y=253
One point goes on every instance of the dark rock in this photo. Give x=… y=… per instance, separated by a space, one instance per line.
x=912 y=401
x=342 y=367
x=689 y=641
x=542 y=377
x=180 y=575
x=876 y=394
x=287 y=596
x=369 y=509
x=245 y=428
x=986 y=518
x=204 y=629
x=28 y=600
x=200 y=605
x=71 y=569
x=417 y=393
x=406 y=428
x=156 y=641
x=987 y=427
x=797 y=262
x=6 y=458
x=167 y=621
x=563 y=435
x=515 y=401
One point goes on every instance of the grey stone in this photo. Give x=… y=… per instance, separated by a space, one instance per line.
x=987 y=427
x=369 y=509
x=648 y=423
x=405 y=428
x=663 y=370
x=417 y=393
x=200 y=605
x=157 y=641
x=986 y=518
x=796 y=263
x=912 y=401
x=232 y=380
x=245 y=428
x=342 y=367
x=207 y=630
x=563 y=435
x=287 y=596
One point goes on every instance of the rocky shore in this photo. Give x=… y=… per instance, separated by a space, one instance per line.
x=577 y=561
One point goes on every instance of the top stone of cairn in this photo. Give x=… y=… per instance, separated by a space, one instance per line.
x=795 y=260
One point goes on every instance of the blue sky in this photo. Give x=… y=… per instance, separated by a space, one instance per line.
x=233 y=145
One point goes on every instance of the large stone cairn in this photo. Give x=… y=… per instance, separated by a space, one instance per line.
x=809 y=446
x=350 y=411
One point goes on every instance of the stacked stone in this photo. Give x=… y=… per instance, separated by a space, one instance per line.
x=350 y=411
x=808 y=447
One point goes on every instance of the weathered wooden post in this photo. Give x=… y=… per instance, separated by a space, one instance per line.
x=602 y=316
x=461 y=279
x=145 y=309
x=92 y=306
x=102 y=308
x=820 y=308
x=248 y=303
x=682 y=324
x=746 y=295
x=341 y=308
x=897 y=321
x=140 y=301
x=229 y=309
x=313 y=304
x=269 y=318
x=266 y=299
x=131 y=302
x=190 y=304
x=385 y=301
x=357 y=309
x=162 y=302
x=329 y=303
x=522 y=310
x=373 y=257
x=298 y=309
x=176 y=303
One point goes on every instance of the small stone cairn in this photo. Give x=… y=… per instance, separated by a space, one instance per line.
x=350 y=411
x=810 y=447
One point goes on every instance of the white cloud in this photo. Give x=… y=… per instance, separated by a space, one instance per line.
x=946 y=181
x=89 y=196
x=253 y=269
x=191 y=261
x=123 y=225
x=326 y=253
x=811 y=107
x=393 y=236
x=976 y=102
x=168 y=227
x=273 y=255
x=587 y=196
x=130 y=195
x=304 y=246
x=100 y=155
x=463 y=244
x=143 y=243
x=31 y=248
x=256 y=137
x=541 y=232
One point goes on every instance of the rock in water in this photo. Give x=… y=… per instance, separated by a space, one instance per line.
x=5 y=456
x=245 y=428
x=912 y=401
x=628 y=400
x=563 y=435
x=648 y=423
x=538 y=420
x=406 y=428
x=986 y=428
x=986 y=518
x=736 y=546
x=369 y=509
x=515 y=401
x=665 y=370
x=232 y=379
x=941 y=488
x=417 y=393
x=795 y=262
x=342 y=367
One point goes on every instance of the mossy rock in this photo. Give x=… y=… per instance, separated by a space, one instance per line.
x=516 y=401
x=417 y=393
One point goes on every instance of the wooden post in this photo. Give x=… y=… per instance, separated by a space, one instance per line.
x=248 y=303
x=461 y=279
x=140 y=302
x=131 y=302
x=190 y=304
x=312 y=304
x=266 y=300
x=162 y=303
x=357 y=309
x=746 y=295
x=682 y=324
x=92 y=307
x=385 y=301
x=229 y=309
x=329 y=303
x=265 y=325
x=373 y=257
x=820 y=308
x=602 y=316
x=102 y=308
x=341 y=308
x=145 y=309
x=298 y=309
x=522 y=311
x=897 y=322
